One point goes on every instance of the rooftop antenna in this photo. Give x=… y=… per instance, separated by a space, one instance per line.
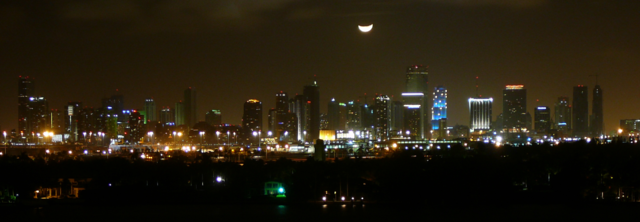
x=477 y=94
x=596 y=75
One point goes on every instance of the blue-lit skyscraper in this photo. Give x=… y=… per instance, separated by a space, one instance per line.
x=439 y=110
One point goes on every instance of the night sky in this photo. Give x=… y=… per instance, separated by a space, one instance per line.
x=231 y=51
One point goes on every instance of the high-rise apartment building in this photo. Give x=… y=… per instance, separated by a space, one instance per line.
x=353 y=116
x=580 y=115
x=382 y=117
x=37 y=115
x=167 y=115
x=480 y=114
x=333 y=115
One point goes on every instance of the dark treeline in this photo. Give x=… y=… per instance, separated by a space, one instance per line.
x=565 y=172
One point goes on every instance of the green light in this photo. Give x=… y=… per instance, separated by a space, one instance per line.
x=281 y=190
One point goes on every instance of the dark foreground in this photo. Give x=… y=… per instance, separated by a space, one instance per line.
x=319 y=212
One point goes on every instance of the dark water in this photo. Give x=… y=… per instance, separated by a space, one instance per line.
x=328 y=212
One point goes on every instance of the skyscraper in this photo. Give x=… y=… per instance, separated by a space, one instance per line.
x=416 y=101
x=312 y=95
x=37 y=115
x=514 y=108
x=252 y=120
x=382 y=117
x=150 y=110
x=190 y=109
x=26 y=89
x=214 y=117
x=439 y=110
x=354 y=116
x=562 y=114
x=597 y=125
x=302 y=115
x=73 y=110
x=397 y=117
x=580 y=113
x=480 y=114
x=333 y=115
x=167 y=115
x=542 y=118
x=179 y=112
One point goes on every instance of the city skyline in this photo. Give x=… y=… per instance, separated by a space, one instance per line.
x=541 y=46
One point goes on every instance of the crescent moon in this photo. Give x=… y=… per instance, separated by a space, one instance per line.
x=365 y=28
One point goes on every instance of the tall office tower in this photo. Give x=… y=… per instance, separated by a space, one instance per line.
x=167 y=115
x=26 y=90
x=37 y=115
x=190 y=109
x=271 y=120
x=116 y=104
x=136 y=127
x=597 y=125
x=480 y=114
x=214 y=117
x=367 y=117
x=413 y=115
x=542 y=116
x=439 y=110
x=282 y=102
x=179 y=111
x=73 y=110
x=417 y=82
x=397 y=117
x=514 y=108
x=333 y=115
x=382 y=117
x=290 y=123
x=562 y=114
x=302 y=113
x=281 y=118
x=252 y=120
x=150 y=110
x=342 y=120
x=86 y=123
x=353 y=116
x=580 y=115
x=56 y=121
x=312 y=94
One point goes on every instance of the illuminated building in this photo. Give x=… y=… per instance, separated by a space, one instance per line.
x=213 y=117
x=382 y=117
x=150 y=110
x=480 y=114
x=580 y=115
x=301 y=109
x=312 y=95
x=179 y=113
x=116 y=104
x=71 y=119
x=413 y=115
x=281 y=115
x=597 y=124
x=562 y=115
x=252 y=120
x=397 y=117
x=439 y=109
x=514 y=108
x=415 y=101
x=333 y=115
x=136 y=127
x=271 y=120
x=190 y=108
x=354 y=116
x=37 y=115
x=630 y=125
x=542 y=118
x=26 y=90
x=167 y=115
